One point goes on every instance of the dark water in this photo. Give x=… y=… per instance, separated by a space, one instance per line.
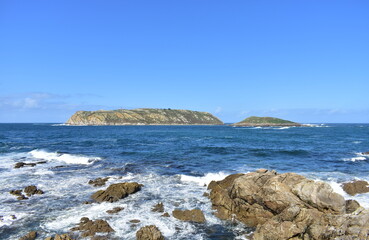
x=174 y=163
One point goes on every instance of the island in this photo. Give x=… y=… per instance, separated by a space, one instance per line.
x=143 y=116
x=266 y=122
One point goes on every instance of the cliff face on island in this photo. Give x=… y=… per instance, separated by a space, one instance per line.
x=265 y=122
x=143 y=116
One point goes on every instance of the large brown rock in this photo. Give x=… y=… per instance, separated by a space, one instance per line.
x=90 y=228
x=288 y=206
x=29 y=236
x=149 y=233
x=356 y=187
x=194 y=215
x=116 y=192
x=64 y=236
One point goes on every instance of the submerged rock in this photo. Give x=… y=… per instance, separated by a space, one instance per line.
x=288 y=206
x=116 y=192
x=22 y=164
x=194 y=215
x=149 y=233
x=29 y=236
x=90 y=228
x=32 y=190
x=356 y=187
x=98 y=182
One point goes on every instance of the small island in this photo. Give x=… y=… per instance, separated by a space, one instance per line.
x=266 y=122
x=143 y=116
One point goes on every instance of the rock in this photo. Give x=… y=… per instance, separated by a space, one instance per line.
x=60 y=237
x=16 y=192
x=365 y=153
x=98 y=182
x=150 y=232
x=262 y=170
x=351 y=206
x=22 y=164
x=205 y=194
x=115 y=210
x=134 y=221
x=356 y=187
x=90 y=228
x=194 y=215
x=288 y=206
x=29 y=236
x=143 y=116
x=116 y=192
x=22 y=197
x=165 y=215
x=32 y=190
x=158 y=207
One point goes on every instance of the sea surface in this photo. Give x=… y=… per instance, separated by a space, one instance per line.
x=175 y=163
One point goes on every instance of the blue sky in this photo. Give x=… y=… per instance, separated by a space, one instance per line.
x=306 y=61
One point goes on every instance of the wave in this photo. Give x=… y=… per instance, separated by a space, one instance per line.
x=62 y=157
x=204 y=180
x=361 y=157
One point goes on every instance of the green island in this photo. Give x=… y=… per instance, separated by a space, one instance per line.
x=266 y=122
x=143 y=116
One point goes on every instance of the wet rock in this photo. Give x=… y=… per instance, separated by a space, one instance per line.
x=356 y=187
x=32 y=190
x=29 y=236
x=16 y=192
x=115 y=210
x=135 y=221
x=365 y=153
x=22 y=197
x=206 y=194
x=116 y=192
x=22 y=164
x=98 y=182
x=89 y=227
x=60 y=237
x=165 y=215
x=150 y=232
x=288 y=206
x=351 y=206
x=158 y=207
x=194 y=215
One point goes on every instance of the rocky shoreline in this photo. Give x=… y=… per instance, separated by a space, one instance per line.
x=276 y=206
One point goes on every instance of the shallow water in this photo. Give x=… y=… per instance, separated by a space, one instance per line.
x=173 y=162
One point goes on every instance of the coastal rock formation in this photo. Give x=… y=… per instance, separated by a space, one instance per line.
x=64 y=236
x=115 y=210
x=194 y=215
x=143 y=116
x=150 y=232
x=90 y=228
x=356 y=187
x=29 y=236
x=288 y=206
x=116 y=192
x=30 y=190
x=158 y=207
x=265 y=122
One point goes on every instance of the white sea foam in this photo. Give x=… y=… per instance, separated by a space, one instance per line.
x=62 y=157
x=361 y=157
x=204 y=180
x=283 y=128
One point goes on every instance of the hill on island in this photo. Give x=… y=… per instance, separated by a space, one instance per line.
x=143 y=116
x=265 y=122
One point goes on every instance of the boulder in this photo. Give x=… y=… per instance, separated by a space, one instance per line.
x=356 y=187
x=29 y=236
x=32 y=190
x=158 y=207
x=116 y=192
x=194 y=215
x=98 y=182
x=90 y=228
x=60 y=237
x=288 y=206
x=150 y=232
x=115 y=210
x=22 y=164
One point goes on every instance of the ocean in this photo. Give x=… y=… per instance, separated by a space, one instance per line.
x=174 y=163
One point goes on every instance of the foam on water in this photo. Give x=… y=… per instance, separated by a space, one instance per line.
x=62 y=157
x=361 y=157
x=204 y=180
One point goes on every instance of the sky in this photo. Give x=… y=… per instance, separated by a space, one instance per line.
x=305 y=61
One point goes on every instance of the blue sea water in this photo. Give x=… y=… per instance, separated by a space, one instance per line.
x=173 y=162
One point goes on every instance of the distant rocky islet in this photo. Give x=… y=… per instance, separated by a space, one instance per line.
x=155 y=116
